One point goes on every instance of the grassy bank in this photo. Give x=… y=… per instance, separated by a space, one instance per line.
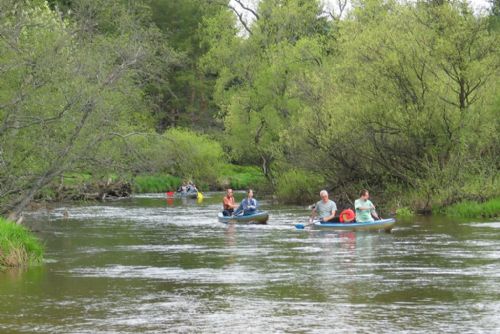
x=18 y=246
x=156 y=183
x=75 y=185
x=240 y=177
x=470 y=209
x=229 y=176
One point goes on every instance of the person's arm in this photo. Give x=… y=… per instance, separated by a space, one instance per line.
x=373 y=212
x=251 y=204
x=313 y=214
x=330 y=216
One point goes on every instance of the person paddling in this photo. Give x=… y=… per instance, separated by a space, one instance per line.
x=325 y=208
x=228 y=203
x=365 y=210
x=248 y=205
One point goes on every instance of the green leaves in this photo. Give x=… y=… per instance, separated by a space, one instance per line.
x=65 y=94
x=392 y=93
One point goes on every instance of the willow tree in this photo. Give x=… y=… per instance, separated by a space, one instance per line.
x=255 y=88
x=65 y=94
x=412 y=99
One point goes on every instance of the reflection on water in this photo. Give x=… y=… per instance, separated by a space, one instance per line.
x=148 y=264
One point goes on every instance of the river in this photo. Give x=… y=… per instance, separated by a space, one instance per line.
x=145 y=265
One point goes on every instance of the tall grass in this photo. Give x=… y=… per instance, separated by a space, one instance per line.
x=470 y=209
x=18 y=246
x=240 y=177
x=155 y=183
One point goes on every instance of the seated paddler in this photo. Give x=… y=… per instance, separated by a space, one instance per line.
x=324 y=209
x=248 y=205
x=228 y=203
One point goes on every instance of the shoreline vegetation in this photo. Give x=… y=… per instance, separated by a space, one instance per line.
x=18 y=246
x=101 y=99
x=83 y=187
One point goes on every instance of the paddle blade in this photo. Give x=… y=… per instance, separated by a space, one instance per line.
x=299 y=226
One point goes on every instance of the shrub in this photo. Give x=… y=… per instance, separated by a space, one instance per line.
x=18 y=246
x=240 y=177
x=404 y=212
x=298 y=186
x=155 y=183
x=193 y=156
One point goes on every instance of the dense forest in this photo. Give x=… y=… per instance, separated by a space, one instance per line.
x=400 y=98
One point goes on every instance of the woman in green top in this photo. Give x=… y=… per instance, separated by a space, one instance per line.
x=365 y=210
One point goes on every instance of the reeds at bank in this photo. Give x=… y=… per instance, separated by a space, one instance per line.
x=18 y=246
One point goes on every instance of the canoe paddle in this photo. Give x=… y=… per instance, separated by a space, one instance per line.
x=301 y=226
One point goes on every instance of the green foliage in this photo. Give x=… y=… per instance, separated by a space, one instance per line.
x=260 y=78
x=240 y=177
x=18 y=247
x=298 y=186
x=155 y=183
x=404 y=212
x=395 y=94
x=191 y=156
x=69 y=93
x=72 y=179
x=183 y=98
x=401 y=97
x=471 y=209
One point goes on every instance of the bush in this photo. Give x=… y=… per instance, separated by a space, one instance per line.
x=192 y=156
x=404 y=212
x=298 y=186
x=18 y=247
x=155 y=183
x=240 y=177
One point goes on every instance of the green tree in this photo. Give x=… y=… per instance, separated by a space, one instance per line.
x=64 y=96
x=256 y=88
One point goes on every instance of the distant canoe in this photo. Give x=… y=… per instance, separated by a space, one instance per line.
x=382 y=224
x=259 y=217
x=187 y=194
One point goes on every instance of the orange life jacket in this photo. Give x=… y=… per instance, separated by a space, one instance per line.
x=347 y=216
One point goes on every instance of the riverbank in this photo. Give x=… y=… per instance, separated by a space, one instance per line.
x=229 y=176
x=18 y=246
x=471 y=209
x=85 y=186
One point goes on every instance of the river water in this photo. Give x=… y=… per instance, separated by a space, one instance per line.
x=145 y=265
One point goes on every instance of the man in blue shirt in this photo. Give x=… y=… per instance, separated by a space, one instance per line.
x=248 y=205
